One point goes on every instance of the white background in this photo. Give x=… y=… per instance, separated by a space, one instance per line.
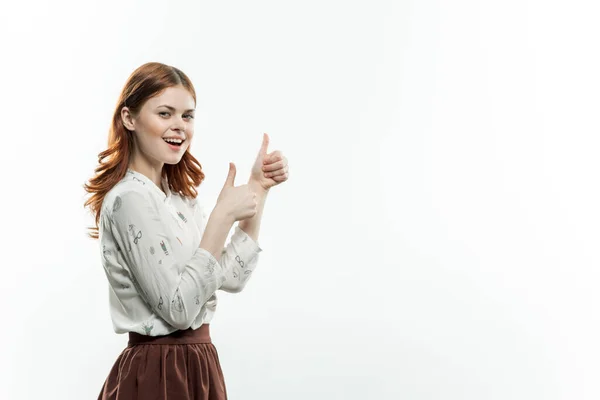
x=438 y=235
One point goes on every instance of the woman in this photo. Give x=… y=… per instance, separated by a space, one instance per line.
x=163 y=257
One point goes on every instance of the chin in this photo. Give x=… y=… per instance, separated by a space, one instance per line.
x=173 y=158
x=173 y=161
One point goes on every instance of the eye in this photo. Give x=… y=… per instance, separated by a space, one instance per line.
x=163 y=112
x=189 y=116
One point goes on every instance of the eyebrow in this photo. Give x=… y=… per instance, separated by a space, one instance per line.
x=172 y=109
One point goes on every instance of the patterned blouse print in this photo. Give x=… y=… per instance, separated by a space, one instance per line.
x=160 y=280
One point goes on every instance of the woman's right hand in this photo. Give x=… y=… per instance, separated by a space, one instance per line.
x=236 y=201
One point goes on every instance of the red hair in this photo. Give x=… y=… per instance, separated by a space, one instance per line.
x=145 y=82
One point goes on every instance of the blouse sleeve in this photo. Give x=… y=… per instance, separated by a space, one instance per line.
x=238 y=259
x=175 y=289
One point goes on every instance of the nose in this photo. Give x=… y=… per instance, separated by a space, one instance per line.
x=179 y=125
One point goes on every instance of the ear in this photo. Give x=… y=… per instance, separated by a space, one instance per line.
x=127 y=118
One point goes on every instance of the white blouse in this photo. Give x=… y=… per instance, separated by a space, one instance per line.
x=160 y=280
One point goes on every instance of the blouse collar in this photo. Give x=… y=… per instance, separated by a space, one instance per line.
x=166 y=194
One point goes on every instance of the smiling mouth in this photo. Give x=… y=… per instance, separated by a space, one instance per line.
x=174 y=142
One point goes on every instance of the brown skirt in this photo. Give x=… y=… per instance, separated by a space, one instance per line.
x=183 y=365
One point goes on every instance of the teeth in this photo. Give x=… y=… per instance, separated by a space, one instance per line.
x=173 y=140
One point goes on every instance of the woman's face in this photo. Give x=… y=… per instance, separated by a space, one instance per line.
x=164 y=127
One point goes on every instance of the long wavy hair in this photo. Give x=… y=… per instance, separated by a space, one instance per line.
x=145 y=82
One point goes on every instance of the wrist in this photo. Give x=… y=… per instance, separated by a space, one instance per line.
x=257 y=188
x=223 y=215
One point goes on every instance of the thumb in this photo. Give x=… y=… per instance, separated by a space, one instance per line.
x=265 y=145
x=231 y=175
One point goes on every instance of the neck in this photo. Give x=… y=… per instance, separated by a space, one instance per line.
x=152 y=171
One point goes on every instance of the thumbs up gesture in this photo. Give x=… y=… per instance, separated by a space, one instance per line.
x=269 y=169
x=237 y=201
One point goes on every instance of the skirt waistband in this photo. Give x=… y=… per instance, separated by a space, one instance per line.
x=188 y=336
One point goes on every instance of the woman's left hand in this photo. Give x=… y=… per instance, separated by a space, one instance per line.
x=269 y=169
